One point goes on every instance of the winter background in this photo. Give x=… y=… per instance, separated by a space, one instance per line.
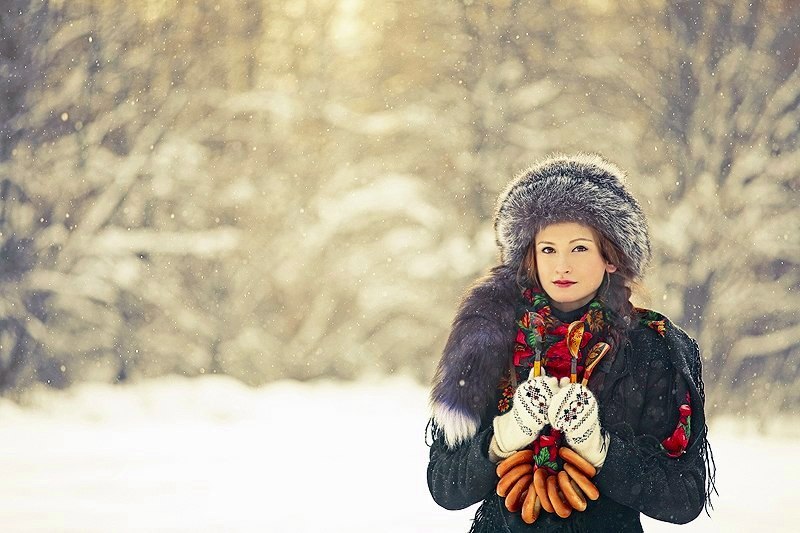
x=233 y=235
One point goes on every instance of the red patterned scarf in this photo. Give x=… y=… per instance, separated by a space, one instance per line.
x=541 y=333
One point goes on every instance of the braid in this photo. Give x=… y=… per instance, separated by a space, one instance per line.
x=615 y=295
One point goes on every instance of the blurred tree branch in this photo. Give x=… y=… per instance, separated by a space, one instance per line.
x=300 y=189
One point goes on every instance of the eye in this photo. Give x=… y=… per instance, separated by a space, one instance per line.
x=580 y=248
x=547 y=250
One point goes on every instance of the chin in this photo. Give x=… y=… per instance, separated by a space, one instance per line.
x=571 y=302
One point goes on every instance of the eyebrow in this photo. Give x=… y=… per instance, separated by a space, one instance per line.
x=570 y=242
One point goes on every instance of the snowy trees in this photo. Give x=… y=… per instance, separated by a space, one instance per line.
x=717 y=93
x=92 y=195
x=18 y=66
x=300 y=189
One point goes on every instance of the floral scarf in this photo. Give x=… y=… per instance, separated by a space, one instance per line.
x=540 y=332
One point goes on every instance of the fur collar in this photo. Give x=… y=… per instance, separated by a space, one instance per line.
x=477 y=353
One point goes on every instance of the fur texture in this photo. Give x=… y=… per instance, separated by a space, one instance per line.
x=475 y=356
x=584 y=188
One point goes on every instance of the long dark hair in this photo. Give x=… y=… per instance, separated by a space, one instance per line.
x=614 y=292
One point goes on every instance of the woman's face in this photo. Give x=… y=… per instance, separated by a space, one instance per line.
x=569 y=264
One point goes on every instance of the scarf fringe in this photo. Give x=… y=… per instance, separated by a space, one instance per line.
x=711 y=475
x=432 y=432
x=488 y=518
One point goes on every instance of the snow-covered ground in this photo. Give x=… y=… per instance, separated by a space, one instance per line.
x=210 y=454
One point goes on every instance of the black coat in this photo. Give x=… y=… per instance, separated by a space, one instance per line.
x=639 y=398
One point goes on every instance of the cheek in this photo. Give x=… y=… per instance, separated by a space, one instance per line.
x=599 y=268
x=542 y=265
x=594 y=267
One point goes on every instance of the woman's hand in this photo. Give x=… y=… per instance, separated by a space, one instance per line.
x=528 y=415
x=574 y=411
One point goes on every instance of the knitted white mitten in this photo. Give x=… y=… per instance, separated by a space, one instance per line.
x=528 y=415
x=574 y=411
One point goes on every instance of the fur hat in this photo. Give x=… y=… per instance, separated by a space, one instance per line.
x=584 y=188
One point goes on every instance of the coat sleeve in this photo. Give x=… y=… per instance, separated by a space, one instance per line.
x=637 y=472
x=462 y=476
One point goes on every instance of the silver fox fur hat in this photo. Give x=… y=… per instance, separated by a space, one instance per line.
x=583 y=188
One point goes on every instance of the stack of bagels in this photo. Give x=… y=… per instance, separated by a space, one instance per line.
x=529 y=488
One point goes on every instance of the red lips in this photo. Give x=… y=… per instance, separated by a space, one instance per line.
x=564 y=283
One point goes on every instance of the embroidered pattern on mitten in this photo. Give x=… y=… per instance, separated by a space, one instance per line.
x=535 y=399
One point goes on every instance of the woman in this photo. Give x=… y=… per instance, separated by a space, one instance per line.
x=572 y=243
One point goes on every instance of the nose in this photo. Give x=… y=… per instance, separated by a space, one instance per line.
x=563 y=266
